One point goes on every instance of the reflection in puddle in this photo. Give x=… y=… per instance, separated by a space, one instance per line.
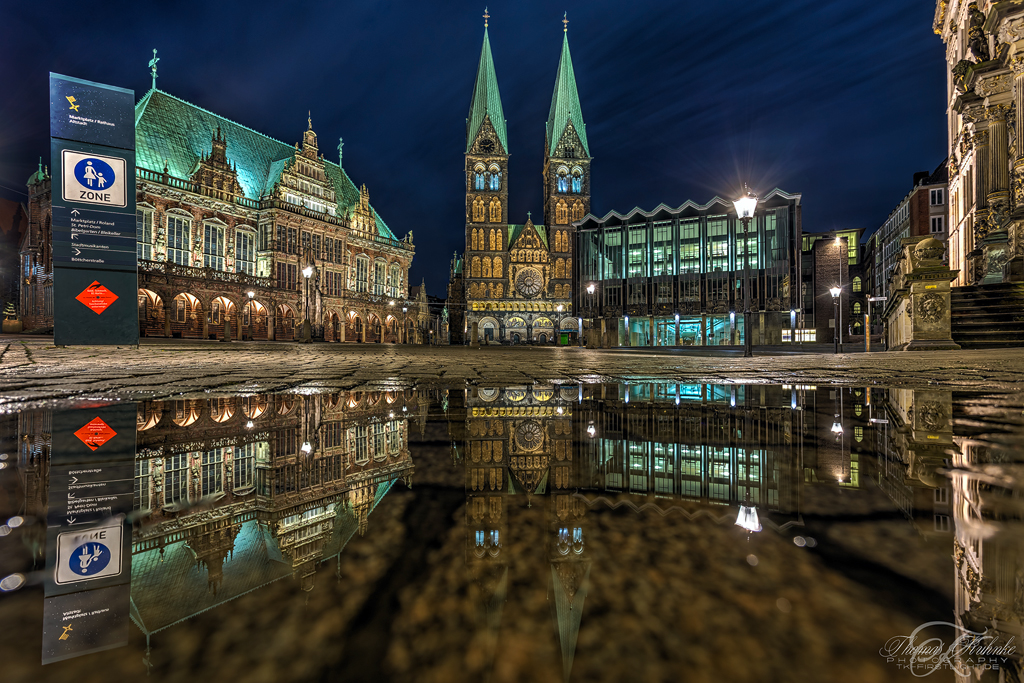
x=865 y=491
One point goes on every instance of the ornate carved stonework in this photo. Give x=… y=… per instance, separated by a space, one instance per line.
x=930 y=307
x=992 y=85
x=1011 y=31
x=933 y=415
x=960 y=72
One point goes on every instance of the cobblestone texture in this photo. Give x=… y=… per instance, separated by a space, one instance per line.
x=33 y=369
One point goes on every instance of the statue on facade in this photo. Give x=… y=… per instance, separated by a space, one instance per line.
x=977 y=40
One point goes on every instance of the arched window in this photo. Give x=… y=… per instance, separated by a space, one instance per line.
x=577 y=180
x=494 y=240
x=474 y=240
x=856 y=308
x=495 y=174
x=478 y=177
x=495 y=211
x=561 y=212
x=856 y=284
x=499 y=289
x=560 y=268
x=577 y=213
x=479 y=212
x=475 y=269
x=563 y=180
x=498 y=267
x=487 y=268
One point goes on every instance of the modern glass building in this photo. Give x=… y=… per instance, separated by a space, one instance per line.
x=675 y=277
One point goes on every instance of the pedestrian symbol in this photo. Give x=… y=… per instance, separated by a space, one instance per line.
x=93 y=178
x=90 y=554
x=90 y=558
x=94 y=173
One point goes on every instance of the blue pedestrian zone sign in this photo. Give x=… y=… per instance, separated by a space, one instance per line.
x=94 y=173
x=93 y=178
x=90 y=554
x=90 y=558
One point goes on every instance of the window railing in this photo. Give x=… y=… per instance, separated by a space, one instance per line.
x=170 y=268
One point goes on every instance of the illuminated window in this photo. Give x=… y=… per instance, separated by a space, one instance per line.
x=179 y=235
x=856 y=284
x=245 y=253
x=213 y=246
x=144 y=233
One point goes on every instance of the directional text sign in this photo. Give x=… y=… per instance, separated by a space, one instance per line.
x=93 y=178
x=89 y=621
x=92 y=153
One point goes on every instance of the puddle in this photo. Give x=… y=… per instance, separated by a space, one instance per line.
x=643 y=531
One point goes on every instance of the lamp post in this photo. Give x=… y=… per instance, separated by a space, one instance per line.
x=745 y=206
x=248 y=332
x=835 y=291
x=307 y=327
x=867 y=320
x=405 y=327
x=591 y=288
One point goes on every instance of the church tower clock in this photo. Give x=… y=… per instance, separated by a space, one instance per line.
x=486 y=186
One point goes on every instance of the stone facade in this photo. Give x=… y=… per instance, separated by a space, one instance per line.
x=917 y=313
x=514 y=281
x=226 y=237
x=985 y=57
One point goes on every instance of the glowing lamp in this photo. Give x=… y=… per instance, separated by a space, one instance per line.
x=745 y=205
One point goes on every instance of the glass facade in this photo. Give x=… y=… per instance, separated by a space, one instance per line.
x=698 y=264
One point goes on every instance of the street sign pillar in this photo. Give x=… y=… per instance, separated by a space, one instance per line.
x=95 y=268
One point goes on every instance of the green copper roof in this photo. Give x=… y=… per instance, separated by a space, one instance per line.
x=486 y=100
x=565 y=103
x=171 y=130
x=515 y=230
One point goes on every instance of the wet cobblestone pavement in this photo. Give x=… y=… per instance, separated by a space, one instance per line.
x=35 y=369
x=382 y=513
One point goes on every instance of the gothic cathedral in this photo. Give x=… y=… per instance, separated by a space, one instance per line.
x=515 y=279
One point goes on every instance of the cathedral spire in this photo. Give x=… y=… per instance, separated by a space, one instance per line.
x=565 y=101
x=486 y=101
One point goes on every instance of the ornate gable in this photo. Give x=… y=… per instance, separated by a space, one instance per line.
x=487 y=142
x=569 y=145
x=215 y=175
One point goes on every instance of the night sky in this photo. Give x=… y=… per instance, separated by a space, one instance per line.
x=840 y=101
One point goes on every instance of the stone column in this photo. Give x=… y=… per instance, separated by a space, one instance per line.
x=474 y=334
x=341 y=331
x=271 y=323
x=167 y=319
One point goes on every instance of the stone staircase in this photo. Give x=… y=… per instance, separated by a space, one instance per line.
x=988 y=316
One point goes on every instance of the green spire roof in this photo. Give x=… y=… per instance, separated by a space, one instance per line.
x=565 y=103
x=486 y=100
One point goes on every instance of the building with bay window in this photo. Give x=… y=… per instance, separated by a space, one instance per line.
x=240 y=232
x=671 y=277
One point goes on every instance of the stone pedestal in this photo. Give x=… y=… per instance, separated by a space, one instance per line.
x=995 y=248
x=474 y=334
x=917 y=314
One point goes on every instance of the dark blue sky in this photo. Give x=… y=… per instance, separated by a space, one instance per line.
x=840 y=101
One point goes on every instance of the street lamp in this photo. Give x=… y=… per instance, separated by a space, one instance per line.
x=835 y=291
x=405 y=327
x=745 y=206
x=591 y=288
x=867 y=320
x=747 y=517
x=307 y=327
